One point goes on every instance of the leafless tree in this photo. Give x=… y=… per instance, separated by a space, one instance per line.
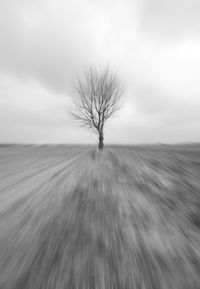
x=96 y=100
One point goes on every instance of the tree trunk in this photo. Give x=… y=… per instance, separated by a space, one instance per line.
x=101 y=144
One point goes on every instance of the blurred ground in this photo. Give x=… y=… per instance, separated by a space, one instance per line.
x=71 y=217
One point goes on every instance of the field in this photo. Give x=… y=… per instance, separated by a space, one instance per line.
x=74 y=218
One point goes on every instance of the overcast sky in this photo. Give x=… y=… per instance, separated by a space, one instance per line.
x=153 y=45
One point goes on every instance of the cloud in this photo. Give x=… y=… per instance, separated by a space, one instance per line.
x=152 y=44
x=171 y=20
x=45 y=41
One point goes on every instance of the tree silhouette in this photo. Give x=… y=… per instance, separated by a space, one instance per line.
x=96 y=100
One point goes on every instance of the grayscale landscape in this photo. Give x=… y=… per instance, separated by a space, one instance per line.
x=74 y=217
x=100 y=144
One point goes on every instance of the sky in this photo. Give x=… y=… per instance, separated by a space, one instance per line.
x=152 y=45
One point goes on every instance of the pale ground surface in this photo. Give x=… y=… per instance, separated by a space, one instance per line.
x=74 y=218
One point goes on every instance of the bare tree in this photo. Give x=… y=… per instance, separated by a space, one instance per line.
x=97 y=99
